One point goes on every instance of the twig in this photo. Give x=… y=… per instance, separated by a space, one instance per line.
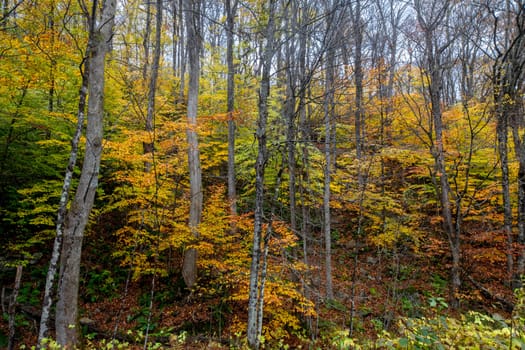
x=508 y=305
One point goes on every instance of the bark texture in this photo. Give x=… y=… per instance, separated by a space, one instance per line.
x=192 y=8
x=66 y=322
x=254 y=301
x=230 y=15
x=328 y=117
x=62 y=210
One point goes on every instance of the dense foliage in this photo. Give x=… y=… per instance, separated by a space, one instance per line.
x=397 y=125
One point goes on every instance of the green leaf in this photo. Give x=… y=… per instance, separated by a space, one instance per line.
x=403 y=342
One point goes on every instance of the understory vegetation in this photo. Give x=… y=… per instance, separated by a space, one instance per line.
x=262 y=174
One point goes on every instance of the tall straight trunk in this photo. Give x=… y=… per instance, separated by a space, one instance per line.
x=148 y=146
x=230 y=15
x=289 y=112
x=438 y=152
x=62 y=207
x=332 y=22
x=460 y=192
x=516 y=85
x=304 y=136
x=501 y=95
x=192 y=9
x=178 y=50
x=359 y=121
x=52 y=63
x=520 y=268
x=66 y=323
x=303 y=131
x=174 y=40
x=182 y=51
x=146 y=42
x=446 y=211
x=266 y=240
x=390 y=23
x=519 y=149
x=328 y=119
x=503 y=152
x=395 y=19
x=254 y=302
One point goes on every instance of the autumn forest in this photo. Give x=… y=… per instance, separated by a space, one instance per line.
x=262 y=174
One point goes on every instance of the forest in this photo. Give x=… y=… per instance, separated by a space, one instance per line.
x=262 y=174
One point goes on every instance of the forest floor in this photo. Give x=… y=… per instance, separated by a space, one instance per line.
x=373 y=289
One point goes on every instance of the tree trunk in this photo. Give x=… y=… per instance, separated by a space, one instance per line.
x=148 y=146
x=431 y=19
x=260 y=164
x=515 y=79
x=520 y=268
x=192 y=9
x=174 y=40
x=303 y=132
x=519 y=149
x=12 y=308
x=328 y=118
x=66 y=323
x=435 y=87
x=264 y=267
x=503 y=152
x=62 y=208
x=146 y=42
x=508 y=80
x=359 y=121
x=230 y=15
x=182 y=51
x=304 y=185
x=52 y=63
x=289 y=112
